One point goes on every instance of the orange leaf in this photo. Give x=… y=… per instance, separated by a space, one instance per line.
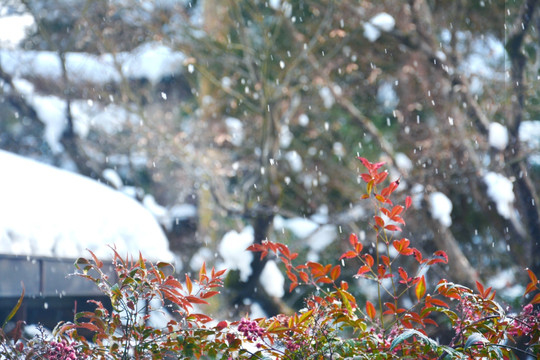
x=336 y=271
x=532 y=276
x=420 y=289
x=536 y=299
x=370 y=309
x=189 y=285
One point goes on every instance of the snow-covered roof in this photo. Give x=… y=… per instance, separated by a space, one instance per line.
x=45 y=211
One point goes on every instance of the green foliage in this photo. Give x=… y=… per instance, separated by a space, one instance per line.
x=333 y=324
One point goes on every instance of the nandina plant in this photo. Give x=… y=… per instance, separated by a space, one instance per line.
x=334 y=324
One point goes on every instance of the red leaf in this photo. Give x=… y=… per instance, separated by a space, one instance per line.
x=353 y=239
x=369 y=260
x=293 y=285
x=292 y=276
x=392 y=228
x=221 y=325
x=363 y=269
x=304 y=276
x=370 y=310
x=442 y=254
x=408 y=202
x=396 y=210
x=208 y=294
x=324 y=280
x=403 y=274
x=195 y=300
x=348 y=255
x=379 y=221
x=386 y=260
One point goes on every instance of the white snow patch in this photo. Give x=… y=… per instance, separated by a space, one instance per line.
x=285 y=136
x=236 y=130
x=295 y=161
x=113 y=178
x=327 y=97
x=403 y=162
x=500 y=190
x=383 y=21
x=152 y=61
x=380 y=22
x=529 y=133
x=51 y=212
x=160 y=212
x=303 y=120
x=441 y=208
x=13 y=29
x=272 y=279
x=232 y=249
x=498 y=136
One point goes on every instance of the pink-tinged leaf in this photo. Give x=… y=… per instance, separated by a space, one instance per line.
x=366 y=177
x=370 y=310
x=381 y=177
x=408 y=202
x=420 y=289
x=364 y=161
x=377 y=166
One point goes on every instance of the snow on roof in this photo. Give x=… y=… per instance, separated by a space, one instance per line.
x=152 y=61
x=45 y=211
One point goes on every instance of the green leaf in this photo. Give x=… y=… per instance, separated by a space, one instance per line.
x=15 y=309
x=411 y=332
x=475 y=338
